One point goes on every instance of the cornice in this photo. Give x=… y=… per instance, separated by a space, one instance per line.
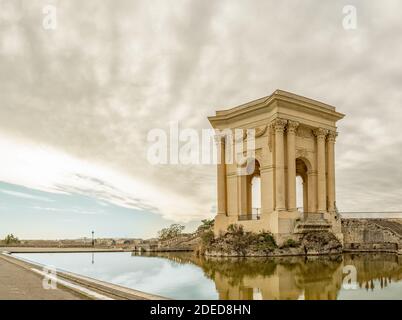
x=278 y=96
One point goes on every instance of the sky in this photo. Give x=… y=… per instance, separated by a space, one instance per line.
x=77 y=100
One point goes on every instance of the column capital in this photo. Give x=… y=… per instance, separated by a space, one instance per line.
x=332 y=136
x=279 y=124
x=220 y=138
x=292 y=126
x=320 y=133
x=291 y=149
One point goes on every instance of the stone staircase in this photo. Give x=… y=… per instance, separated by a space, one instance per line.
x=394 y=227
x=182 y=243
x=314 y=222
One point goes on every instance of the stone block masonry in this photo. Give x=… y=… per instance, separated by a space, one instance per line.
x=372 y=235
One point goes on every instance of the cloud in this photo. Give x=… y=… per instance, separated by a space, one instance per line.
x=51 y=170
x=25 y=195
x=67 y=210
x=77 y=102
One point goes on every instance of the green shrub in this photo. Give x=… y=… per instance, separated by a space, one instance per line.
x=206 y=224
x=207 y=237
x=290 y=243
x=235 y=229
x=170 y=232
x=236 y=239
x=11 y=239
x=265 y=241
x=241 y=241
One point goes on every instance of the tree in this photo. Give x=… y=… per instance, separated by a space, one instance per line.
x=170 y=232
x=10 y=239
x=207 y=224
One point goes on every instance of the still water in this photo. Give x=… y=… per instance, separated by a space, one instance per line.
x=185 y=276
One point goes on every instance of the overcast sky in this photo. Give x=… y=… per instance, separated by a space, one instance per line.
x=77 y=102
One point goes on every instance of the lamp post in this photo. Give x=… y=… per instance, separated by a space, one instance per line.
x=93 y=241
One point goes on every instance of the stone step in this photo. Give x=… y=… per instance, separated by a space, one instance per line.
x=315 y=216
x=394 y=227
x=312 y=224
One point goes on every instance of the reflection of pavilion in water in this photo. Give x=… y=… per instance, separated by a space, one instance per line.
x=290 y=278
x=281 y=279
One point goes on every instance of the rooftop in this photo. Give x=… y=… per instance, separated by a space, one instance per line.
x=277 y=95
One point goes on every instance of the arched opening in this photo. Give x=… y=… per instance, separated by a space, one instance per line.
x=302 y=170
x=299 y=194
x=254 y=193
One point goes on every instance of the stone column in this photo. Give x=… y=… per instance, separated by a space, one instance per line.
x=267 y=175
x=331 y=170
x=291 y=136
x=312 y=191
x=321 y=174
x=221 y=174
x=242 y=193
x=279 y=125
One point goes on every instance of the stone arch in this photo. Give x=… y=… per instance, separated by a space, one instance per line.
x=246 y=163
x=303 y=170
x=253 y=181
x=249 y=173
x=307 y=161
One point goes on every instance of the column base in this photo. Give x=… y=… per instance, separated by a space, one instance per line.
x=221 y=223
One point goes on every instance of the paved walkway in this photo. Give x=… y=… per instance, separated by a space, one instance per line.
x=17 y=283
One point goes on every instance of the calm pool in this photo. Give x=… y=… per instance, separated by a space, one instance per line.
x=185 y=276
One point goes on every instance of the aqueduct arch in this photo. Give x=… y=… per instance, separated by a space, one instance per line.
x=294 y=136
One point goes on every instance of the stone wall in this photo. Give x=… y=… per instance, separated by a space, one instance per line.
x=367 y=235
